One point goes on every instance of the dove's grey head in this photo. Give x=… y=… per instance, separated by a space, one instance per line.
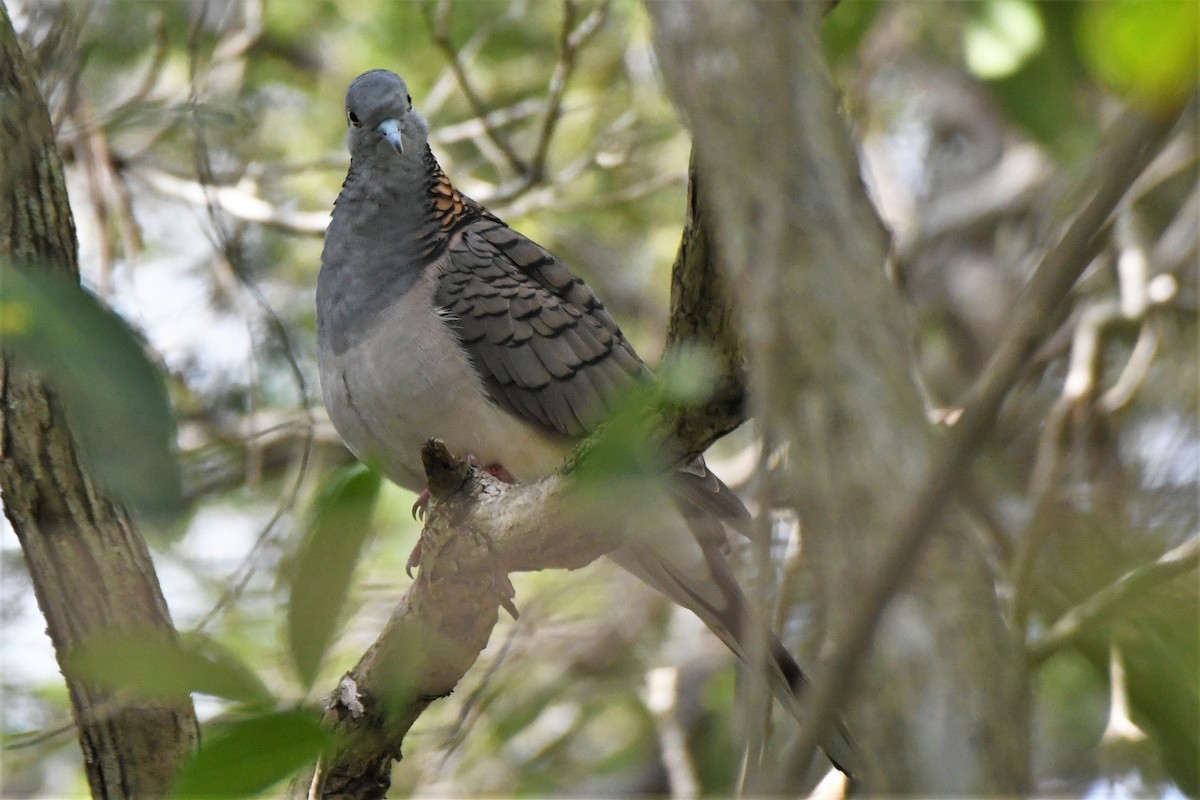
x=382 y=120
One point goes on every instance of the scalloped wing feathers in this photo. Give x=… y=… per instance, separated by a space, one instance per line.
x=543 y=344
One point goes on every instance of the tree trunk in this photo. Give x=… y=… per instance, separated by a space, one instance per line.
x=944 y=697
x=89 y=565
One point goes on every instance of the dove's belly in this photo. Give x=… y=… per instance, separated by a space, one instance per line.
x=408 y=380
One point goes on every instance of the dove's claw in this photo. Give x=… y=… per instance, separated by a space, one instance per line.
x=421 y=506
x=414 y=559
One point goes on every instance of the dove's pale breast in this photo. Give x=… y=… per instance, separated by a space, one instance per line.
x=406 y=379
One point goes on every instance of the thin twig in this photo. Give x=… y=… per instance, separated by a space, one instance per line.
x=443 y=87
x=33 y=738
x=572 y=39
x=237 y=201
x=1135 y=371
x=628 y=194
x=1176 y=156
x=1120 y=726
x=661 y=697
x=1112 y=599
x=160 y=49
x=469 y=129
x=522 y=189
x=87 y=157
x=111 y=202
x=1044 y=476
x=233 y=47
x=278 y=330
x=439 y=32
x=69 y=43
x=1177 y=244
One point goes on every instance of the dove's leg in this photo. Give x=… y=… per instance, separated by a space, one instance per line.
x=421 y=506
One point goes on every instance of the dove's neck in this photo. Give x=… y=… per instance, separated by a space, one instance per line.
x=407 y=200
x=390 y=223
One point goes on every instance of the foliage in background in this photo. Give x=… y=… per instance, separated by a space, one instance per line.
x=204 y=143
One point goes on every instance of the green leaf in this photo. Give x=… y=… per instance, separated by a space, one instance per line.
x=251 y=755
x=688 y=375
x=624 y=447
x=1143 y=49
x=1001 y=36
x=157 y=665
x=1046 y=94
x=844 y=27
x=341 y=522
x=115 y=399
x=626 y=453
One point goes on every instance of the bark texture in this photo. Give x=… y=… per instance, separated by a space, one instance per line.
x=89 y=565
x=828 y=350
x=478 y=530
x=704 y=314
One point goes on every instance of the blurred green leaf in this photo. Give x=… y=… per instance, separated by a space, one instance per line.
x=155 y=664
x=251 y=755
x=713 y=738
x=1001 y=36
x=1160 y=642
x=341 y=523
x=624 y=447
x=1143 y=49
x=115 y=399
x=627 y=449
x=688 y=375
x=845 y=26
x=1070 y=712
x=1047 y=94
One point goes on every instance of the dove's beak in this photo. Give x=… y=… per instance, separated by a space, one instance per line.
x=390 y=130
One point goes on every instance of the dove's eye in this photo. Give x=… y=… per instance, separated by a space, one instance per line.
x=352 y=118
x=408 y=97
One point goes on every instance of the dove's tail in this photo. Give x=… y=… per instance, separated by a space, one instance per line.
x=837 y=743
x=688 y=565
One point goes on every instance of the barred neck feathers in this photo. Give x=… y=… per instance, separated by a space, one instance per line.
x=417 y=205
x=449 y=206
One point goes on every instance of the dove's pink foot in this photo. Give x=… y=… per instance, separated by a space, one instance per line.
x=419 y=509
x=496 y=470
x=499 y=472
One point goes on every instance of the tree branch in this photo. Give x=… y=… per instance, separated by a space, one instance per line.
x=1108 y=601
x=477 y=531
x=704 y=314
x=571 y=40
x=1133 y=142
x=90 y=567
x=238 y=201
x=827 y=344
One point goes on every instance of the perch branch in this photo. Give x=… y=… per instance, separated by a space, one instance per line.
x=477 y=531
